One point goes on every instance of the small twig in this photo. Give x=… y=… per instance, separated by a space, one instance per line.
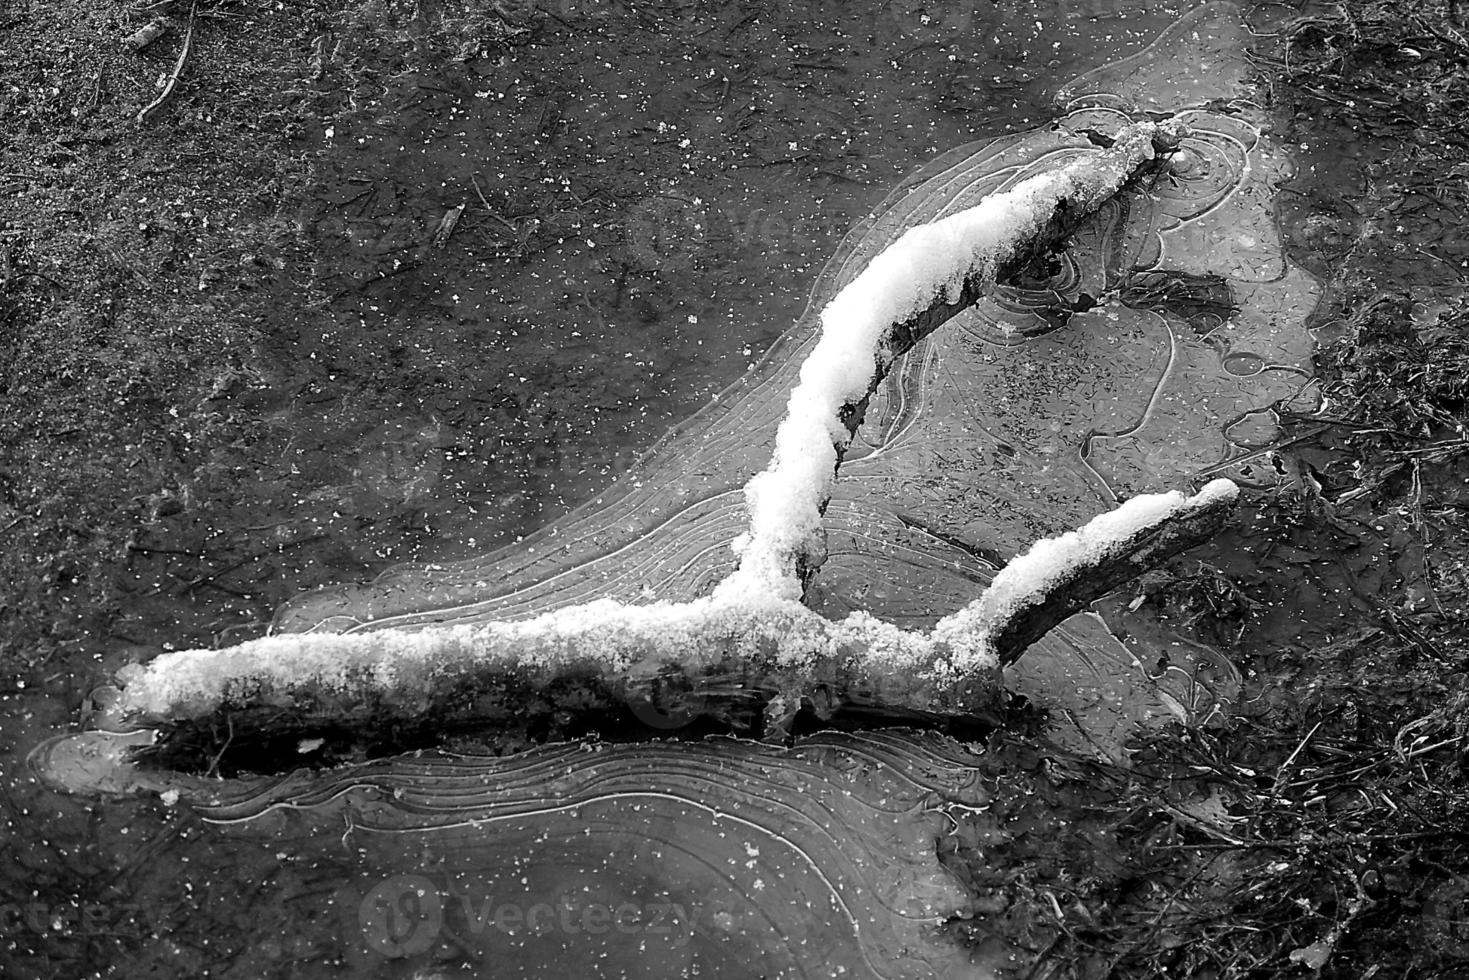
x=1436 y=745
x=347 y=818
x=153 y=9
x=230 y=737
x=1262 y=451
x=1290 y=760
x=1400 y=741
x=178 y=68
x=489 y=210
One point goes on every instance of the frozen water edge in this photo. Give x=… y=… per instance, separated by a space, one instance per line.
x=755 y=617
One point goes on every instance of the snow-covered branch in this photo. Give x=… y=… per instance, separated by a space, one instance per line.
x=725 y=654
x=910 y=289
x=751 y=642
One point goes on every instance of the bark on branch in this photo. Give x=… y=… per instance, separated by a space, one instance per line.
x=1083 y=584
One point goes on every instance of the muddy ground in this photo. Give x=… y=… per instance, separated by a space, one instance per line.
x=163 y=472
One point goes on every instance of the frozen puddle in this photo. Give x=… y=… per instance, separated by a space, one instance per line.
x=1150 y=358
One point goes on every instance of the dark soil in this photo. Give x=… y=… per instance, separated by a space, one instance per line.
x=154 y=480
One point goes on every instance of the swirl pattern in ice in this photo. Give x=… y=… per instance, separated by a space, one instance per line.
x=721 y=859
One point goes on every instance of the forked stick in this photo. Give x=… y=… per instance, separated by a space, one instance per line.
x=751 y=645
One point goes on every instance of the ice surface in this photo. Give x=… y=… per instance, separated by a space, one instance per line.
x=813 y=861
x=1200 y=58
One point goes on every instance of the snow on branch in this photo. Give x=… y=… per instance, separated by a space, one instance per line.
x=930 y=273
x=752 y=638
x=771 y=648
x=1060 y=576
